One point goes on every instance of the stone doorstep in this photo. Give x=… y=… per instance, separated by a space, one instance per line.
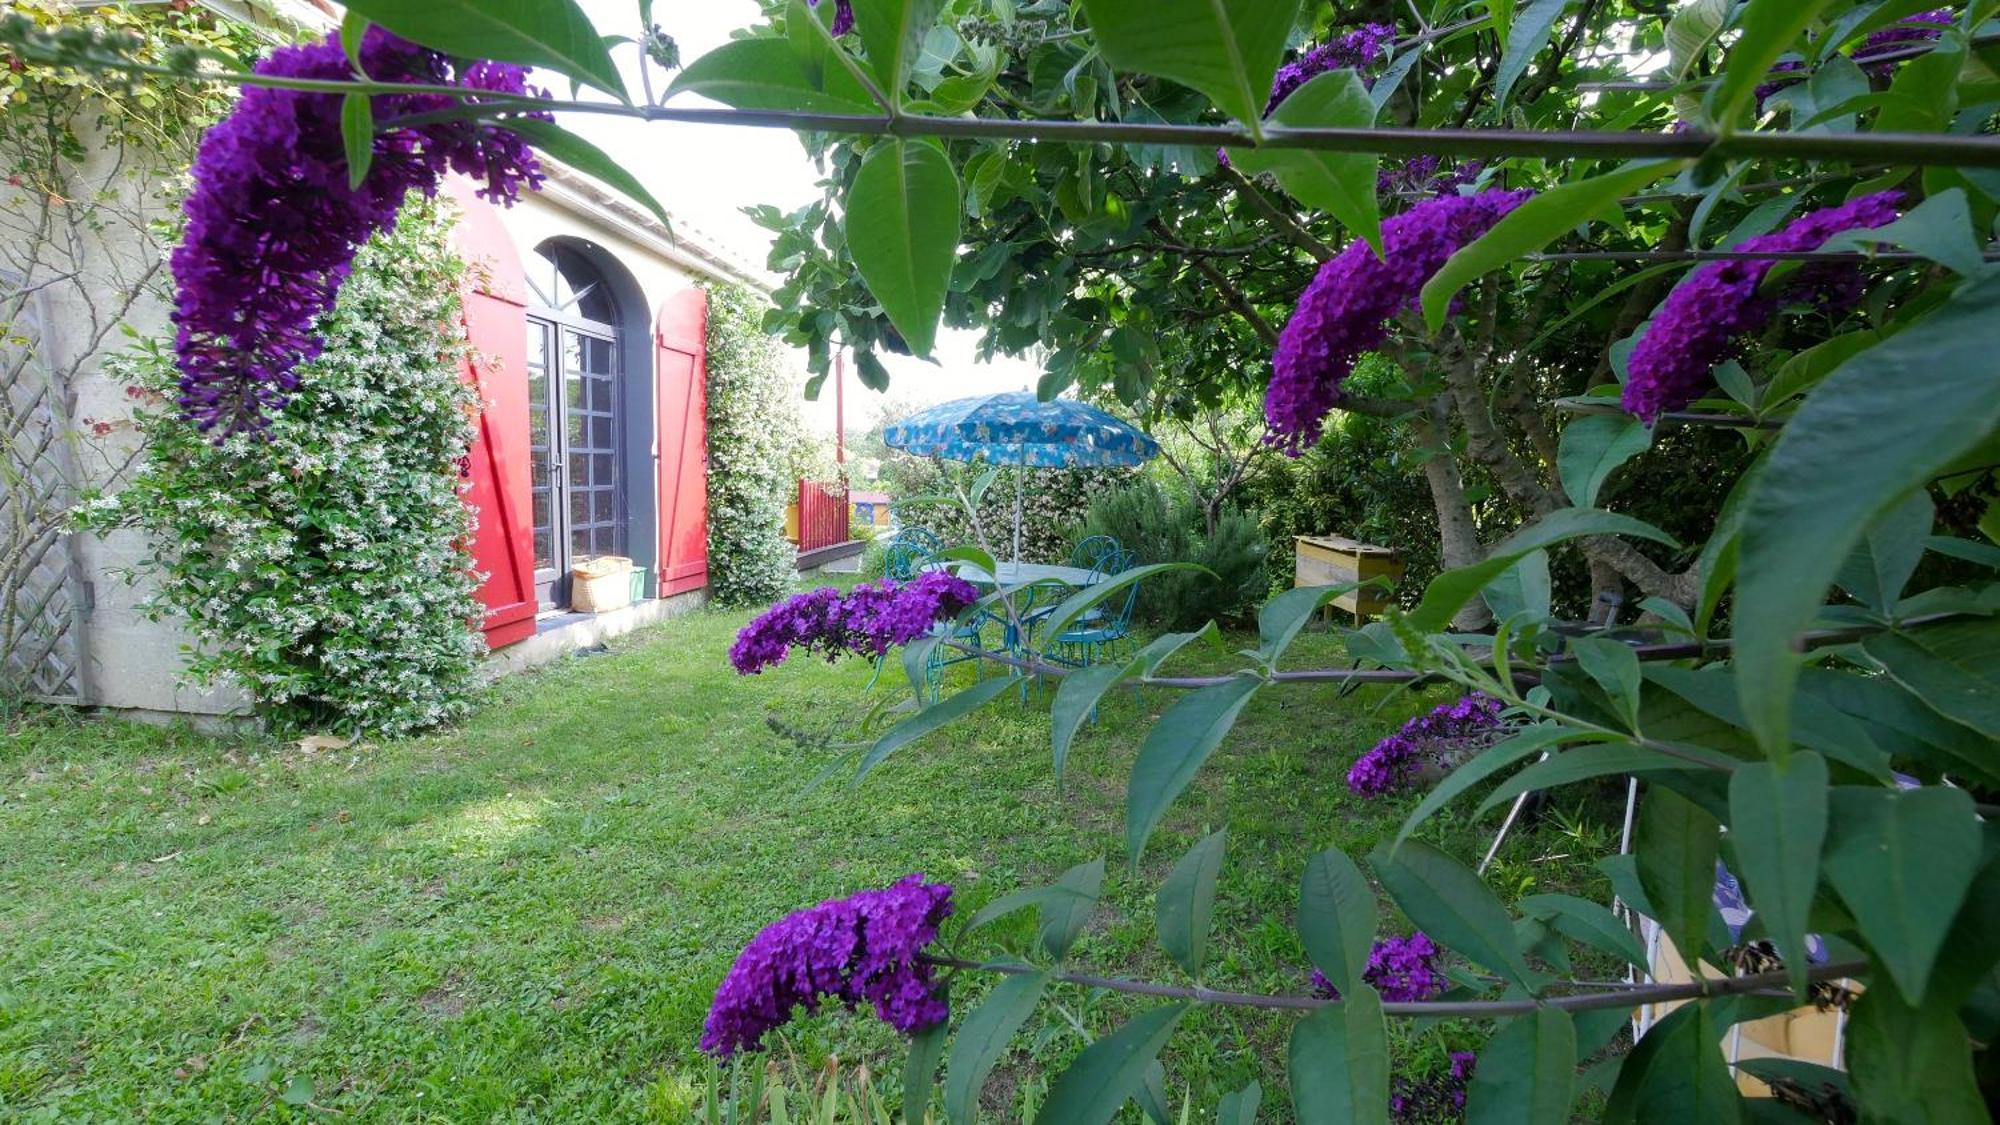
x=559 y=633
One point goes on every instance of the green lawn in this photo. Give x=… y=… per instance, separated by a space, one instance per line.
x=524 y=918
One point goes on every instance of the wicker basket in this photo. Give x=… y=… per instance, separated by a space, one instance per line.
x=600 y=584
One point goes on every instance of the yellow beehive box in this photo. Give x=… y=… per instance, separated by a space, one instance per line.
x=1334 y=560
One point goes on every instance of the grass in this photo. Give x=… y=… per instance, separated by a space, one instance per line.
x=524 y=918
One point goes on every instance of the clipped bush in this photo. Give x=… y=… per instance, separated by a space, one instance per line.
x=750 y=451
x=322 y=564
x=1161 y=527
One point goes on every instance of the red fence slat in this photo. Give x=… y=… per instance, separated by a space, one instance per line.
x=822 y=515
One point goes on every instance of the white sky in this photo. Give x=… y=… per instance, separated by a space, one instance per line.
x=705 y=174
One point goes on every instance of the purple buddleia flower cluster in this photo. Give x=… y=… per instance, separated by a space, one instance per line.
x=1402 y=969
x=1703 y=318
x=1351 y=50
x=843 y=16
x=1922 y=27
x=1345 y=311
x=273 y=225
x=1439 y=1097
x=870 y=620
x=860 y=949
x=1469 y=723
x=1911 y=30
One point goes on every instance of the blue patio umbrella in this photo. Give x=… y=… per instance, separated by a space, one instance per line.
x=1017 y=428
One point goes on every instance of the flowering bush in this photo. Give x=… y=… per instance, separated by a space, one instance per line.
x=860 y=948
x=1394 y=762
x=750 y=420
x=1356 y=49
x=1346 y=310
x=1400 y=968
x=1721 y=302
x=1054 y=503
x=322 y=563
x=871 y=619
x=273 y=222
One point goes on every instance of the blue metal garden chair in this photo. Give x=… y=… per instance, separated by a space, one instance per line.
x=1094 y=550
x=1104 y=632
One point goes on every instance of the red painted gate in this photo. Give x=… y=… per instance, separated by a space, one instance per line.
x=497 y=489
x=681 y=450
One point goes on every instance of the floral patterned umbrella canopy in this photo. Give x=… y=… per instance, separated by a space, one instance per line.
x=1017 y=428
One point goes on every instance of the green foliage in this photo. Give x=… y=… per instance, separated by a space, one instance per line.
x=1158 y=526
x=1054 y=503
x=752 y=426
x=322 y=565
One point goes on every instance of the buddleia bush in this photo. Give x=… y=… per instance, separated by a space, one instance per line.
x=322 y=564
x=751 y=432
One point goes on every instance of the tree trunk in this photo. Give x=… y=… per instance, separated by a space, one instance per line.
x=1458 y=538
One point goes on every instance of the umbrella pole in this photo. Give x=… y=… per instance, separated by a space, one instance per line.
x=1019 y=472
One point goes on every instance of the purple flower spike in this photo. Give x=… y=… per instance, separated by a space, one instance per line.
x=273 y=225
x=1402 y=969
x=1352 y=50
x=1345 y=311
x=862 y=948
x=1701 y=320
x=873 y=618
x=843 y=16
x=1393 y=763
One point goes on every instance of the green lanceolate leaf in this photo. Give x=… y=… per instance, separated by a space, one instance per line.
x=1076 y=698
x=1175 y=750
x=1675 y=843
x=1887 y=555
x=1534 y=740
x=1186 y=903
x=1769 y=28
x=1585 y=762
x=1109 y=1071
x=1615 y=668
x=983 y=1038
x=1587 y=922
x=1533 y=225
x=357 y=136
x=1525 y=40
x=1281 y=618
x=1903 y=862
x=1452 y=589
x=920 y=1071
x=1063 y=919
x=948 y=710
x=768 y=74
x=1340 y=183
x=1953 y=667
x=1227 y=49
x=1337 y=917
x=1911 y=1064
x=1593 y=446
x=586 y=157
x=1867 y=436
x=1777 y=821
x=1338 y=1062
x=1526 y=1073
x=1240 y=1107
x=893 y=32
x=1521 y=589
x=1677 y=1072
x=1448 y=902
x=550 y=34
x=902 y=232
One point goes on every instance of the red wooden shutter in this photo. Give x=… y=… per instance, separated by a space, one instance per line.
x=680 y=374
x=498 y=489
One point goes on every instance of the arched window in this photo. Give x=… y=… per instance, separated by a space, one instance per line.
x=576 y=417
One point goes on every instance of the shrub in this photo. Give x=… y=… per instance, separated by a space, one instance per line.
x=323 y=564
x=1159 y=527
x=749 y=453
